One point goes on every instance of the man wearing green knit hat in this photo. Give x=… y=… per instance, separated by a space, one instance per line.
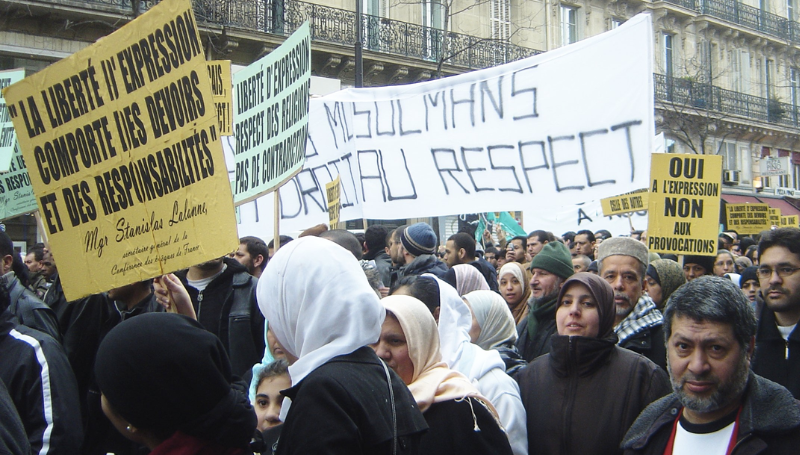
x=549 y=268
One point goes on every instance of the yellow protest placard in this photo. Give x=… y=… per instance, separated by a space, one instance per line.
x=123 y=151
x=789 y=221
x=219 y=73
x=684 y=204
x=625 y=203
x=333 y=191
x=774 y=217
x=747 y=218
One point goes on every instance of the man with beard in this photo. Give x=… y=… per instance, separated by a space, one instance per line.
x=718 y=406
x=252 y=254
x=622 y=262
x=549 y=268
x=778 y=342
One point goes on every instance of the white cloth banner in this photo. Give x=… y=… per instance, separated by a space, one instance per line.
x=571 y=125
x=587 y=215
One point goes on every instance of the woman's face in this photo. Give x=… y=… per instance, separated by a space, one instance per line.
x=723 y=264
x=275 y=348
x=269 y=399
x=653 y=290
x=511 y=289
x=577 y=313
x=393 y=349
x=750 y=289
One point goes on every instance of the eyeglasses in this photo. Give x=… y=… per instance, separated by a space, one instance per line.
x=783 y=272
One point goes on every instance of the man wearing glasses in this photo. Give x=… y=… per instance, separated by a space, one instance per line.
x=777 y=355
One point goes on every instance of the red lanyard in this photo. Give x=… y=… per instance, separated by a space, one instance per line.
x=731 y=444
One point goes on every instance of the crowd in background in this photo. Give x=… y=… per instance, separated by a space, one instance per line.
x=396 y=341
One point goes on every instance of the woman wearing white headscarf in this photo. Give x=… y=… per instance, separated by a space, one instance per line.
x=484 y=367
x=323 y=314
x=495 y=327
x=468 y=279
x=461 y=420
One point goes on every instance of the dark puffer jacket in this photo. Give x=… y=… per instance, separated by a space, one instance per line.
x=582 y=397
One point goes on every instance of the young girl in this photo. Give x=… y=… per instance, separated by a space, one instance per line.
x=271 y=380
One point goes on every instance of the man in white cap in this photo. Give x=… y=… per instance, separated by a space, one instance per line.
x=622 y=262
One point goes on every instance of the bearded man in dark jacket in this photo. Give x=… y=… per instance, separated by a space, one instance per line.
x=549 y=268
x=418 y=247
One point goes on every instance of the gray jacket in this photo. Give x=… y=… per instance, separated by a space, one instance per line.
x=28 y=309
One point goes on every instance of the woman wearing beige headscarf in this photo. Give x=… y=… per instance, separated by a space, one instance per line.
x=468 y=279
x=494 y=327
x=460 y=419
x=515 y=289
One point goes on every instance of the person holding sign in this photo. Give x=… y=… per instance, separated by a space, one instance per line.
x=623 y=264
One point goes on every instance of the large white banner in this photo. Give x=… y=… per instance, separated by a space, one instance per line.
x=571 y=125
x=588 y=215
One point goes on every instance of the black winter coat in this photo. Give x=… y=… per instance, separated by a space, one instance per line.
x=427 y=263
x=583 y=396
x=343 y=407
x=771 y=359
x=531 y=348
x=768 y=424
x=453 y=430
x=29 y=310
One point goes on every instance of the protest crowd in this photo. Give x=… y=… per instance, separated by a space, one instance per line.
x=334 y=342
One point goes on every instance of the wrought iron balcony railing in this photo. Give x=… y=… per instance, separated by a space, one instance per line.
x=338 y=26
x=745 y=15
x=685 y=93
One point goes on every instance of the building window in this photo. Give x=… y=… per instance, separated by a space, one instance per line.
x=730 y=157
x=569 y=25
x=796 y=176
x=668 y=54
x=433 y=21
x=769 y=79
x=790 y=9
x=616 y=22
x=501 y=24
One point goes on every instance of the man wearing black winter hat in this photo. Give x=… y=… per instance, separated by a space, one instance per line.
x=418 y=245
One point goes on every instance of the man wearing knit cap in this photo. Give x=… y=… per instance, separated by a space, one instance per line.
x=623 y=264
x=418 y=245
x=697 y=266
x=549 y=268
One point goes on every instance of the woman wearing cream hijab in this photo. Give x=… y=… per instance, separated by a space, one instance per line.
x=460 y=419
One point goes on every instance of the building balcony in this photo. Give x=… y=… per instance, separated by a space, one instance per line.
x=745 y=15
x=679 y=92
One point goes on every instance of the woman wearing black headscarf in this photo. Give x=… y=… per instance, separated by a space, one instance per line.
x=166 y=383
x=583 y=396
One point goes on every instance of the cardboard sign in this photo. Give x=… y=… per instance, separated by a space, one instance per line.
x=747 y=218
x=8 y=138
x=540 y=132
x=219 y=72
x=333 y=191
x=634 y=201
x=122 y=144
x=789 y=221
x=774 y=217
x=684 y=204
x=270 y=102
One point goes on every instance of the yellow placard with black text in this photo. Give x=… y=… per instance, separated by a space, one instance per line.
x=123 y=149
x=747 y=218
x=774 y=217
x=789 y=221
x=634 y=201
x=333 y=191
x=219 y=73
x=684 y=204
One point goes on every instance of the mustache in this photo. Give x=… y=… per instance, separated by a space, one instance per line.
x=622 y=296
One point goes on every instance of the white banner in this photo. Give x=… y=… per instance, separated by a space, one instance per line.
x=571 y=125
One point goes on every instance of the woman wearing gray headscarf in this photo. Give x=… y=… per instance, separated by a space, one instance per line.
x=583 y=396
x=662 y=279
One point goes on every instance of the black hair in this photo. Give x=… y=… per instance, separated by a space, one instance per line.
x=589 y=234
x=521 y=238
x=465 y=241
x=492 y=250
x=375 y=238
x=788 y=237
x=346 y=240
x=37 y=251
x=542 y=236
x=284 y=240
x=256 y=246
x=17 y=266
x=604 y=233
x=278 y=367
x=716 y=299
x=423 y=288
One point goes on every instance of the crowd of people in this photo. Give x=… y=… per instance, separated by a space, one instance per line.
x=395 y=341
